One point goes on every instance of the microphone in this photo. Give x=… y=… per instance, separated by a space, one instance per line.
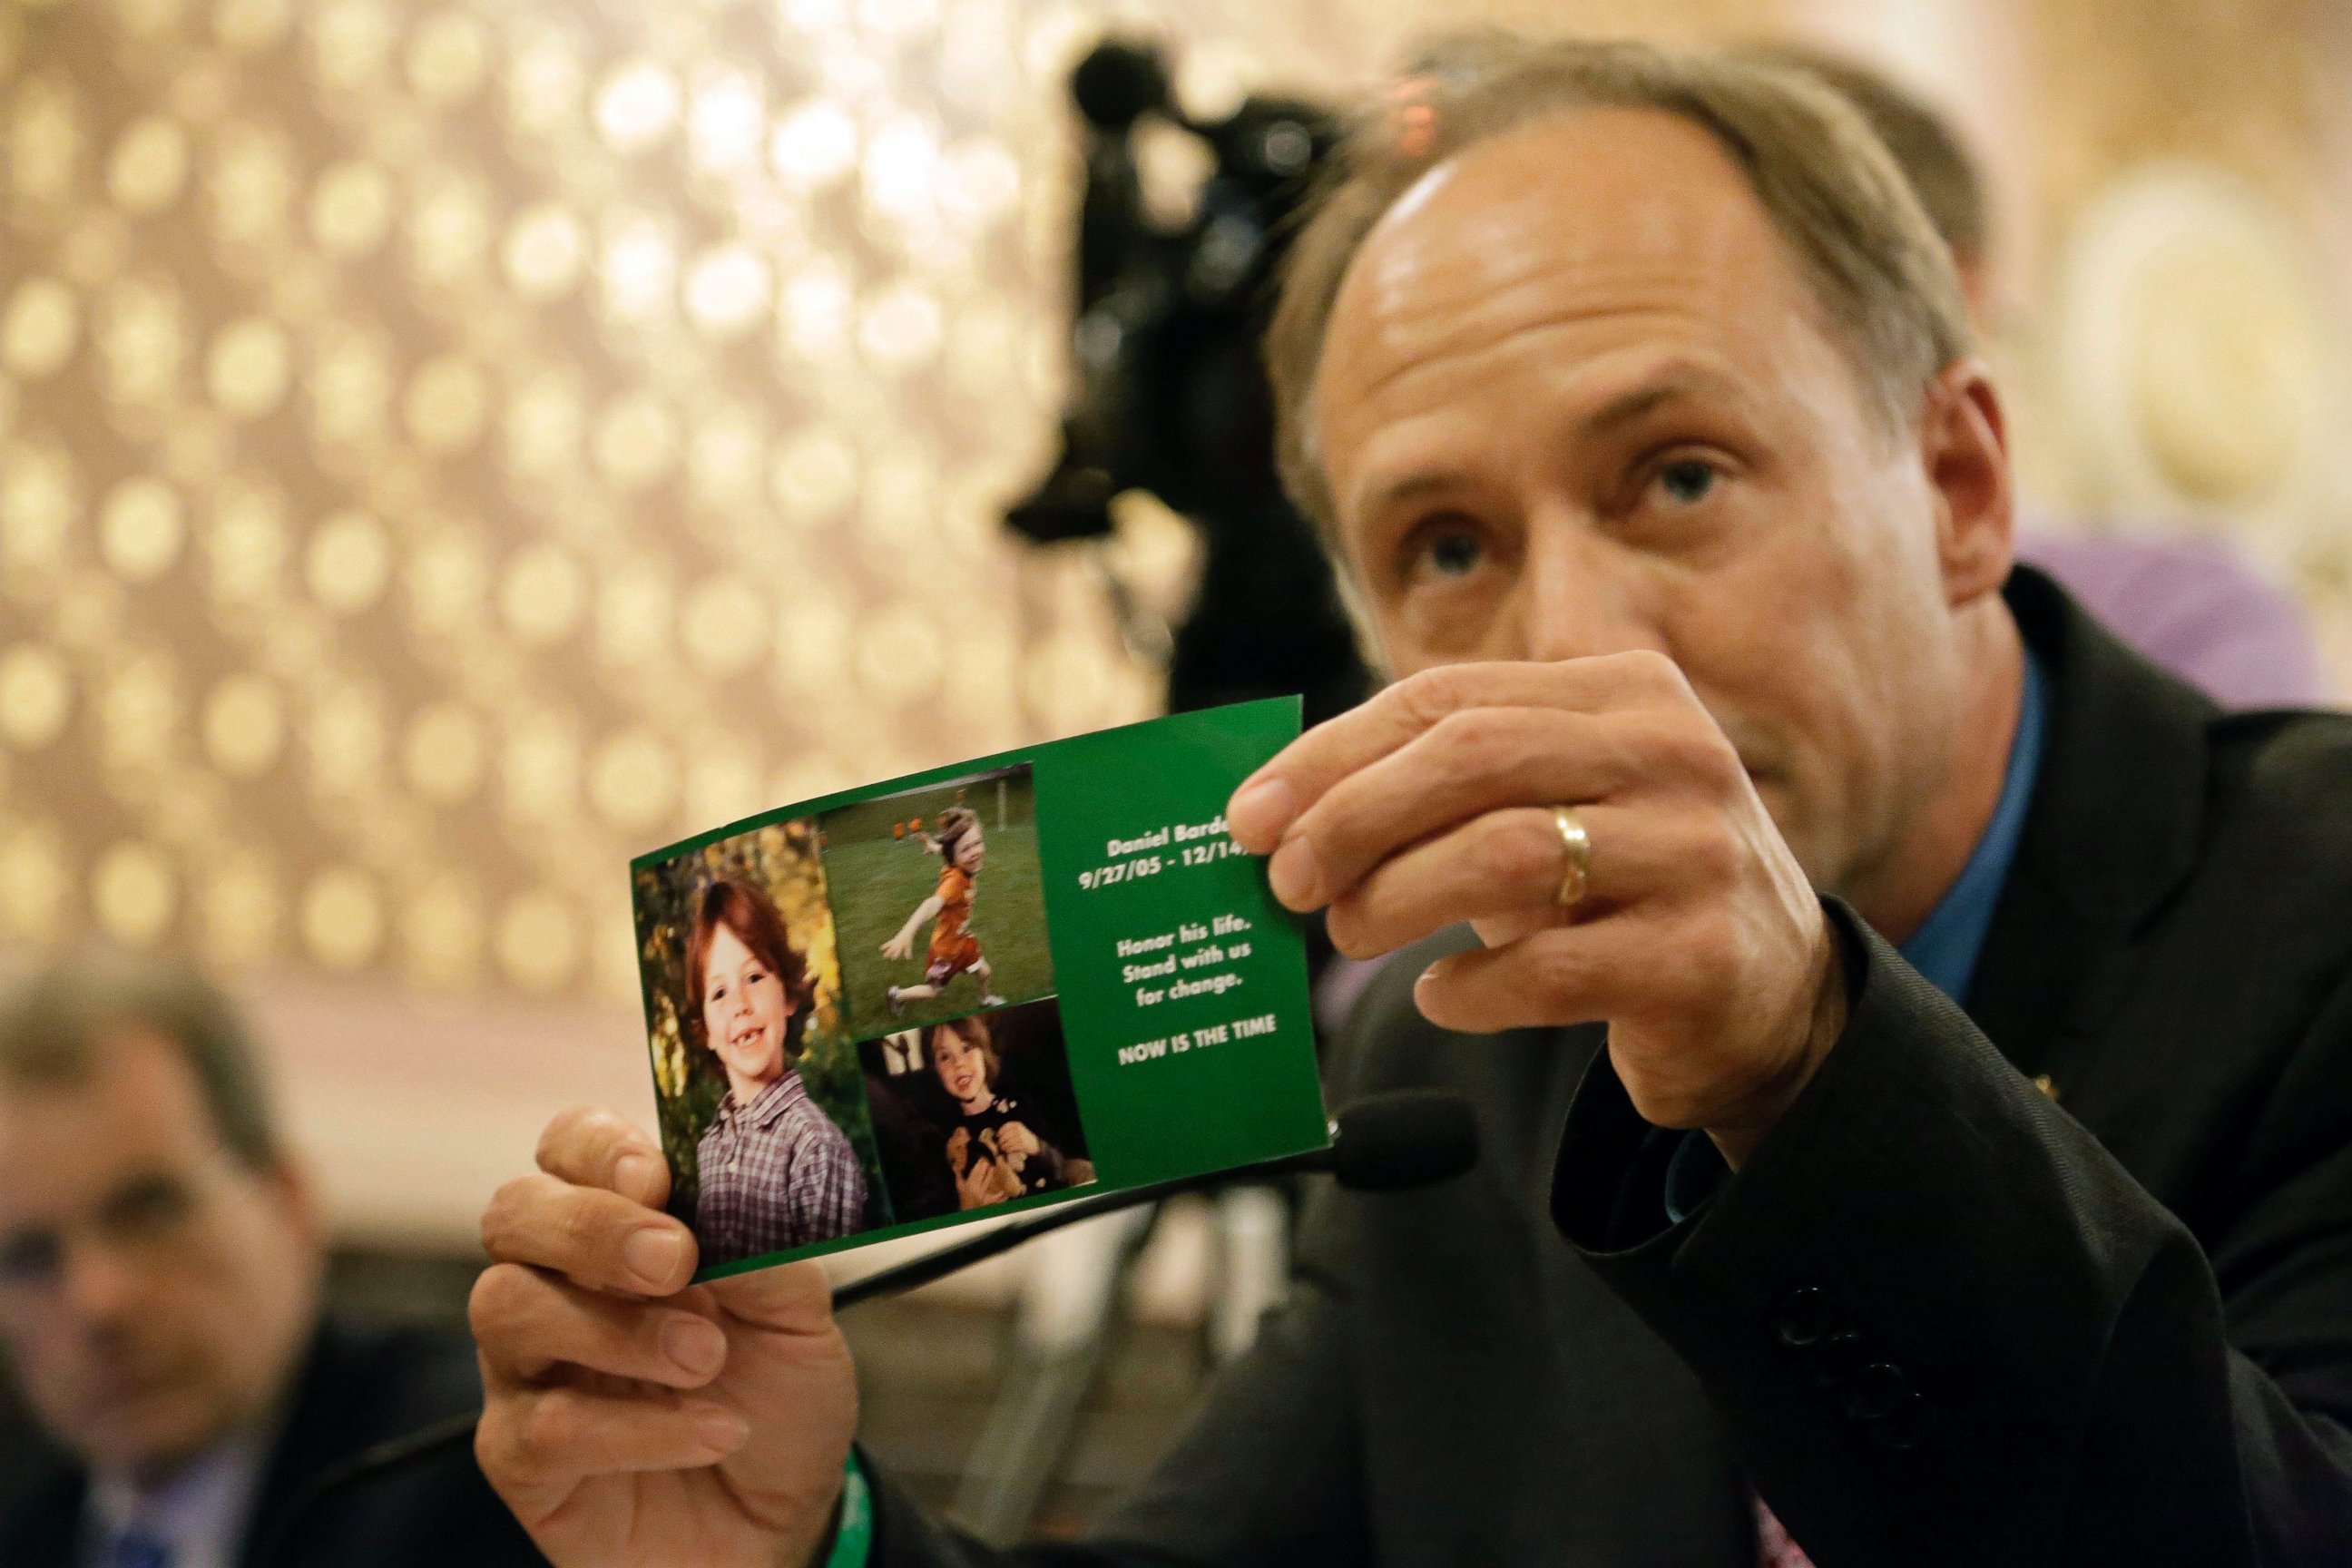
x=1403 y=1138
x=1386 y=1142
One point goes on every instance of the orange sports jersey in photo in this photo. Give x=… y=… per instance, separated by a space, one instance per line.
x=950 y=940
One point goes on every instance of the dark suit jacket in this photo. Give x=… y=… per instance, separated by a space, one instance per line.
x=1940 y=1318
x=358 y=1387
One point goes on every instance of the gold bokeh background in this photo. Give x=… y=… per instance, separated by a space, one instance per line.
x=446 y=449
x=450 y=449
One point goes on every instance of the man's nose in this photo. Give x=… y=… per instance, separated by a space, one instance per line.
x=99 y=1285
x=1582 y=593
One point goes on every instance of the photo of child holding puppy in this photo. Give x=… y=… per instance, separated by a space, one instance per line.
x=976 y=1110
x=939 y=901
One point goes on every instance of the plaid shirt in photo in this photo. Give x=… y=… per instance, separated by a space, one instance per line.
x=776 y=1174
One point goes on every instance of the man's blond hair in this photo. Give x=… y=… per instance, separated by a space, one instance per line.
x=1883 y=278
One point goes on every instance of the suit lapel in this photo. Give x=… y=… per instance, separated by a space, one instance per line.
x=1646 y=1452
x=315 y=1434
x=2114 y=826
x=41 y=1525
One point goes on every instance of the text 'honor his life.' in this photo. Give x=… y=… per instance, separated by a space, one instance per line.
x=1196 y=971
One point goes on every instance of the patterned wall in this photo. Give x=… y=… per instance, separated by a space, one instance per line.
x=445 y=449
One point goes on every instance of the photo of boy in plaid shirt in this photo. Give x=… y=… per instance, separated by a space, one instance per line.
x=776 y=1171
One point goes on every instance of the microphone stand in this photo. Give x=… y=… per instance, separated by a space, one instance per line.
x=456 y=1434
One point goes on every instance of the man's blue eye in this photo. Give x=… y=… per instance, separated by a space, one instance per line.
x=1687 y=480
x=1454 y=554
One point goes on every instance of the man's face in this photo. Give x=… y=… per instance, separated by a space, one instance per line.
x=1576 y=398
x=153 y=1291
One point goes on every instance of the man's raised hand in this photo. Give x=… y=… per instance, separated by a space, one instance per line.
x=630 y=1420
x=1698 y=938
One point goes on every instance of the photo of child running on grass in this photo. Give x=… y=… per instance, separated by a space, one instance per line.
x=962 y=849
x=904 y=874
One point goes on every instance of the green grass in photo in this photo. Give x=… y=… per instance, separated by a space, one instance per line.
x=876 y=882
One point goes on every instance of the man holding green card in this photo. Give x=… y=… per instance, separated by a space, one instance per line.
x=1912 y=1037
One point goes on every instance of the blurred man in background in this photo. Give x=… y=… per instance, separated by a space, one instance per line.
x=160 y=1263
x=2189 y=601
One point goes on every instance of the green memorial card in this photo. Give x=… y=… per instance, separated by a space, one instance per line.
x=974 y=990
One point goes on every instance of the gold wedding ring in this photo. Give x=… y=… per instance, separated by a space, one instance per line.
x=1576 y=857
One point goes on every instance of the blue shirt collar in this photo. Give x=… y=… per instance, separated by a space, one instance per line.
x=1947 y=945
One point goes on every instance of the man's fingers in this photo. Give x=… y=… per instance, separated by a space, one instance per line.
x=1573 y=975
x=591 y=1236
x=793 y=1297
x=591 y=1147
x=530 y=1325
x=535 y=1446
x=1480 y=760
x=1511 y=863
x=1272 y=799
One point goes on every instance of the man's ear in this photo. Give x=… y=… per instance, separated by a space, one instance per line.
x=295 y=1186
x=1964 y=445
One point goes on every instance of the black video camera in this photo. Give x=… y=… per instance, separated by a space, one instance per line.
x=1172 y=395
